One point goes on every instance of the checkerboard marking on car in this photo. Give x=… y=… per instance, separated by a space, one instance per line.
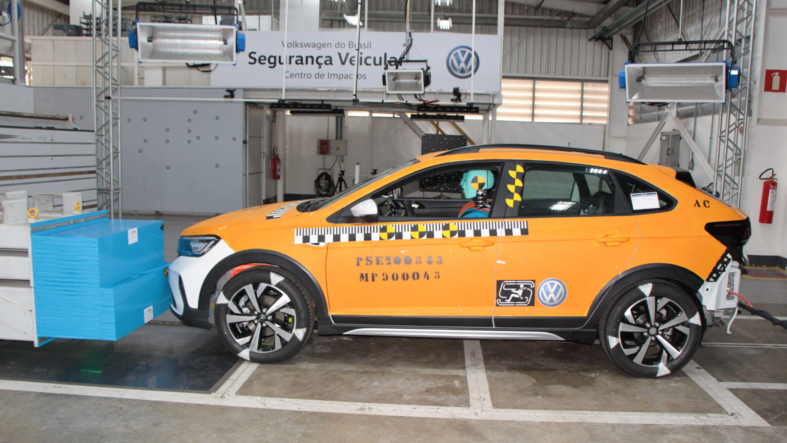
x=319 y=236
x=277 y=213
x=516 y=187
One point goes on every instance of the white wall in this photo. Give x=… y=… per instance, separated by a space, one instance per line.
x=766 y=148
x=381 y=143
x=16 y=98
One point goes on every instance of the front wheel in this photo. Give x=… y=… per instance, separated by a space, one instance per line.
x=264 y=314
x=653 y=329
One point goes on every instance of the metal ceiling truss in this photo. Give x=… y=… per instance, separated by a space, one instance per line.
x=106 y=91
x=733 y=120
x=632 y=17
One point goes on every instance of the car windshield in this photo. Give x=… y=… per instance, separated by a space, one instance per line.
x=314 y=205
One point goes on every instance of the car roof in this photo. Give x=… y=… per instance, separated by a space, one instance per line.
x=523 y=148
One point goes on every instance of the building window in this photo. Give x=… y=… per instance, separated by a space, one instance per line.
x=554 y=101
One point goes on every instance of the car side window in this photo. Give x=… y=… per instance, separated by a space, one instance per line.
x=550 y=190
x=641 y=196
x=441 y=193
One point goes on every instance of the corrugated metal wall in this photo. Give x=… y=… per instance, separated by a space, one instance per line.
x=38 y=20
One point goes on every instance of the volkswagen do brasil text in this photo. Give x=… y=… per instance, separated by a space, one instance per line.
x=483 y=242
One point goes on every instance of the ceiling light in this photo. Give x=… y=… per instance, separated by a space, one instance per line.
x=442 y=2
x=352 y=19
x=444 y=23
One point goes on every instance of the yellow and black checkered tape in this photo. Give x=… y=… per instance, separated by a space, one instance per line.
x=417 y=231
x=515 y=189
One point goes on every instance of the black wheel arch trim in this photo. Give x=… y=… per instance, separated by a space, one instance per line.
x=268 y=257
x=685 y=278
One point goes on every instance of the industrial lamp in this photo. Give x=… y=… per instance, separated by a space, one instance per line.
x=405 y=81
x=678 y=82
x=189 y=43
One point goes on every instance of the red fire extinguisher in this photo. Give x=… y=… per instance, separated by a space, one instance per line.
x=276 y=165
x=768 y=202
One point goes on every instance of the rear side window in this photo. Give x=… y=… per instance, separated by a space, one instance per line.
x=566 y=191
x=643 y=197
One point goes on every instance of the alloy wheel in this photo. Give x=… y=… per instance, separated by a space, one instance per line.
x=654 y=331
x=260 y=317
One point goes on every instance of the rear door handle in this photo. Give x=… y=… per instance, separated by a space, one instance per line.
x=612 y=240
x=477 y=245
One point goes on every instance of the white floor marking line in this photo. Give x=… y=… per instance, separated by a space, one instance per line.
x=477 y=383
x=745 y=345
x=389 y=410
x=244 y=373
x=726 y=399
x=234 y=382
x=753 y=317
x=769 y=386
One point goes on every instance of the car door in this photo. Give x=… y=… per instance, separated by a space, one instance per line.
x=424 y=265
x=580 y=237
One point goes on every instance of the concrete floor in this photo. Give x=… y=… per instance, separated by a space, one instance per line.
x=171 y=383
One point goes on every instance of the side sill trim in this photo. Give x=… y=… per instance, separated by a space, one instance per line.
x=456 y=333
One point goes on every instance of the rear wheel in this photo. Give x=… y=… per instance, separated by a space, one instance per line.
x=264 y=315
x=653 y=329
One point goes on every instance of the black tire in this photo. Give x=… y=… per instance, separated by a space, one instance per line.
x=286 y=328
x=650 y=348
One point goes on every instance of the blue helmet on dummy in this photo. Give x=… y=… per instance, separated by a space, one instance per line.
x=472 y=181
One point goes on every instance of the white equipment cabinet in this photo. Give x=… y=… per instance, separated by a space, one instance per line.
x=17 y=301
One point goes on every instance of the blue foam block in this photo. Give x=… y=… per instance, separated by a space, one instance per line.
x=90 y=283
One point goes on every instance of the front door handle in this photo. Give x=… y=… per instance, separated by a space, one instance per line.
x=612 y=239
x=477 y=245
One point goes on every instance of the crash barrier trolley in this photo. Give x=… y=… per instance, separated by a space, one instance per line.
x=65 y=273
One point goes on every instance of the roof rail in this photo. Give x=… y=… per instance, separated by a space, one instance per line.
x=605 y=154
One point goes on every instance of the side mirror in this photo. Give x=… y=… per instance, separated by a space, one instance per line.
x=365 y=212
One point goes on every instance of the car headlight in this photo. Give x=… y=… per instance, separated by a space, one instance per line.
x=196 y=246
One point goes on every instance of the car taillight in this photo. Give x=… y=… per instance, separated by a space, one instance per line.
x=732 y=234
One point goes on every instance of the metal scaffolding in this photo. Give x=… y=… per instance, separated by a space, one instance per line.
x=733 y=120
x=106 y=90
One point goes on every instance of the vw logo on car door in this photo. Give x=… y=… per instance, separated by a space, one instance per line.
x=552 y=292
x=460 y=61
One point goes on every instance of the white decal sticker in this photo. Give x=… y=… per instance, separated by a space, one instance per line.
x=133 y=236
x=276 y=278
x=244 y=354
x=613 y=341
x=646 y=200
x=148 y=314
x=646 y=288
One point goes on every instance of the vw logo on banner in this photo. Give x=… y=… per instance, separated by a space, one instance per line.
x=460 y=61
x=552 y=292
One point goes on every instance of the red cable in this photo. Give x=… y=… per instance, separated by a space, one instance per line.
x=742 y=298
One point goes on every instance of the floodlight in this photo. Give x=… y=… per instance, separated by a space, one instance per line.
x=352 y=20
x=678 y=82
x=404 y=81
x=442 y=2
x=189 y=43
x=444 y=23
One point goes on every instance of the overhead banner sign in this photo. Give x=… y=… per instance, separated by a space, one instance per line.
x=327 y=60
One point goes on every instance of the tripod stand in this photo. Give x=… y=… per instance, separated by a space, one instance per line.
x=341 y=185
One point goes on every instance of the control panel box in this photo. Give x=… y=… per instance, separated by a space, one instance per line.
x=333 y=147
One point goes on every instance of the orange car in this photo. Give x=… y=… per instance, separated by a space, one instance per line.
x=481 y=242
